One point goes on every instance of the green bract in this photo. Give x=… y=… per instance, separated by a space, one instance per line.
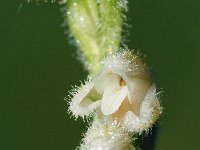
x=96 y=26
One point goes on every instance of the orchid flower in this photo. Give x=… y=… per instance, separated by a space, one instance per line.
x=123 y=90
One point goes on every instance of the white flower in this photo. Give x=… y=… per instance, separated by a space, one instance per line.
x=123 y=90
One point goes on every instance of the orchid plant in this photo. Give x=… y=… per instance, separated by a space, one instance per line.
x=119 y=93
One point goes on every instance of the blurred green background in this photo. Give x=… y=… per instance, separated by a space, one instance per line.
x=38 y=66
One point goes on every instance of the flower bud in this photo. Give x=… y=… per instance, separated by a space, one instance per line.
x=96 y=25
x=107 y=136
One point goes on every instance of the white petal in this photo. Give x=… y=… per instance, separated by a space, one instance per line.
x=149 y=108
x=138 y=88
x=113 y=94
x=108 y=83
x=112 y=100
x=82 y=104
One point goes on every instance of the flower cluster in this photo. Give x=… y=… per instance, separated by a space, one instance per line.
x=122 y=90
